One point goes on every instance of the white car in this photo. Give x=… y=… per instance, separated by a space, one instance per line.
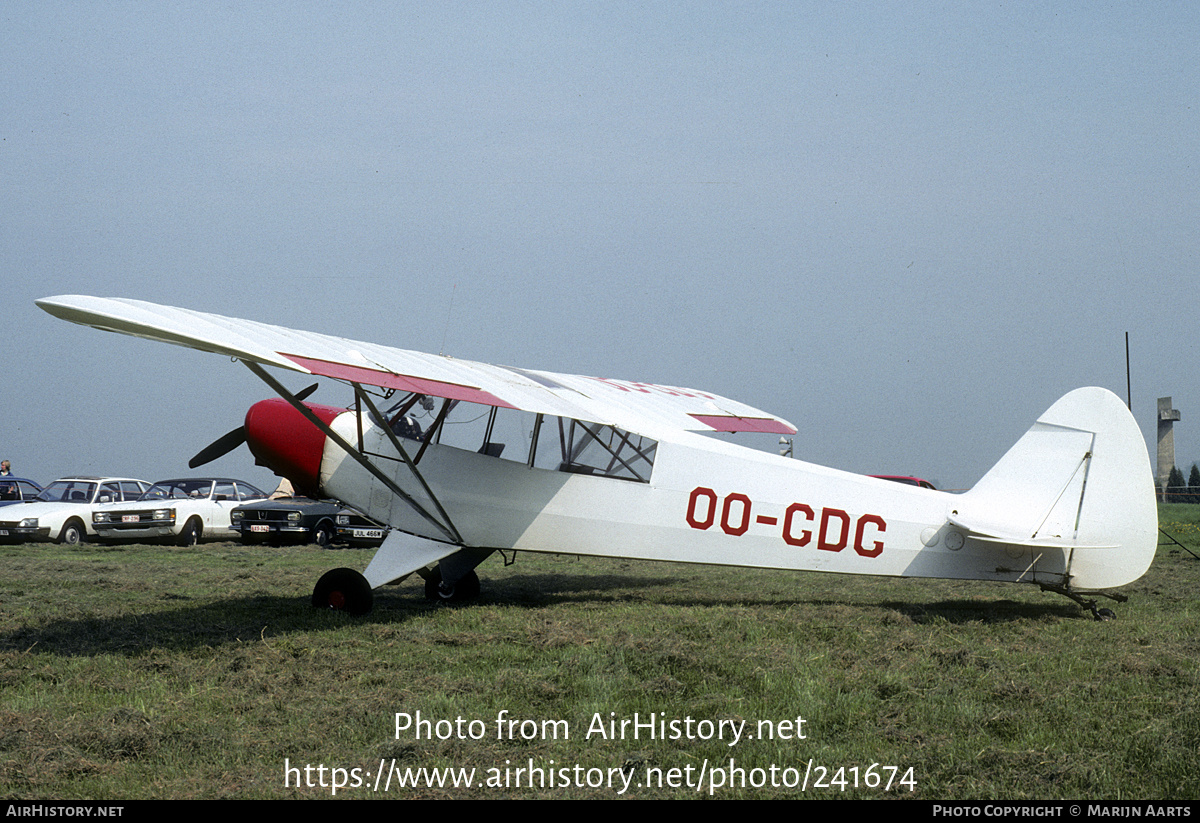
x=62 y=512
x=185 y=510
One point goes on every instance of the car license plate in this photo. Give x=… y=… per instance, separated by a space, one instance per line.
x=130 y=518
x=368 y=533
x=259 y=528
x=3 y=532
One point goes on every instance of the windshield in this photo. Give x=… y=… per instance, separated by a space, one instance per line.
x=68 y=491
x=178 y=490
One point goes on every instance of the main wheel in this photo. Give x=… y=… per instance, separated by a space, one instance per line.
x=343 y=590
x=467 y=588
x=191 y=533
x=72 y=534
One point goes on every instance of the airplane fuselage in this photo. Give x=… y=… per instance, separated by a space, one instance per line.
x=706 y=501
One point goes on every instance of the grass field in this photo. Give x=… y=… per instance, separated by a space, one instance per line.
x=158 y=672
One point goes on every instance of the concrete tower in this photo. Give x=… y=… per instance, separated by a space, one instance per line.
x=1166 y=439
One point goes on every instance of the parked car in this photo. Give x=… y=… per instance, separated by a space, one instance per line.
x=186 y=510
x=296 y=520
x=17 y=490
x=63 y=510
x=355 y=529
x=911 y=481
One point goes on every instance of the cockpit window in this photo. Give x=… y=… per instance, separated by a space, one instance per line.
x=539 y=441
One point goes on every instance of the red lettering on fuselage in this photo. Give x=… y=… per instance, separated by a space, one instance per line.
x=876 y=521
x=833 y=529
x=806 y=535
x=742 y=520
x=708 y=506
x=825 y=540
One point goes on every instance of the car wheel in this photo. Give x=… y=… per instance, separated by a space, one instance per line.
x=191 y=533
x=322 y=535
x=72 y=533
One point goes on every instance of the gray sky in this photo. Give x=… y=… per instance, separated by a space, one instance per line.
x=908 y=228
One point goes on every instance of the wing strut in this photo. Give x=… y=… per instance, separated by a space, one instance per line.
x=447 y=528
x=435 y=429
x=412 y=466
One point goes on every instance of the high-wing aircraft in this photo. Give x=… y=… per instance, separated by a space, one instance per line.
x=462 y=459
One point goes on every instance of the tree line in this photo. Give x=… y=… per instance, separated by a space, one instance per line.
x=1177 y=491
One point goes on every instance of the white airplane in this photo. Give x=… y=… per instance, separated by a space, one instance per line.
x=462 y=459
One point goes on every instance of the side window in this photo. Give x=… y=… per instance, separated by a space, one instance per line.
x=225 y=491
x=132 y=490
x=109 y=493
x=609 y=452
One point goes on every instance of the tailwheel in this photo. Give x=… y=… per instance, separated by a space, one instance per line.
x=467 y=588
x=343 y=590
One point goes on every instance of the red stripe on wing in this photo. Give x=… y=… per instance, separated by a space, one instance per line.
x=389 y=380
x=729 y=423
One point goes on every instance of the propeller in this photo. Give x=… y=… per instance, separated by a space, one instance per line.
x=229 y=441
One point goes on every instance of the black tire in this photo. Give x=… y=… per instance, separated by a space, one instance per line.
x=73 y=533
x=192 y=532
x=466 y=589
x=343 y=590
x=322 y=535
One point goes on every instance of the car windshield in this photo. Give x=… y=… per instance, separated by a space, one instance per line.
x=248 y=492
x=68 y=491
x=178 y=490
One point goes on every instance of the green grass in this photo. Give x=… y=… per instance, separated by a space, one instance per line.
x=157 y=672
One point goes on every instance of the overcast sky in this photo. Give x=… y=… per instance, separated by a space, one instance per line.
x=908 y=228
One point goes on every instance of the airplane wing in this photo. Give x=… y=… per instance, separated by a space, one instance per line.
x=642 y=407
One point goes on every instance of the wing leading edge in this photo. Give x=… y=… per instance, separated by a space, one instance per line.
x=643 y=407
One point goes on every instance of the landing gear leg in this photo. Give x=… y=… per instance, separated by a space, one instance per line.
x=1089 y=603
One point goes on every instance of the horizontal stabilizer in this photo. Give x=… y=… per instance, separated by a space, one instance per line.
x=1017 y=540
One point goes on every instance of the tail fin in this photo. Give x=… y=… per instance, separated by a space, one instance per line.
x=1075 y=492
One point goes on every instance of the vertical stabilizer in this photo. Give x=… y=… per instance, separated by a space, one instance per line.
x=1077 y=490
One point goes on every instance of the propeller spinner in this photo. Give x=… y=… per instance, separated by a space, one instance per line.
x=280 y=438
x=229 y=441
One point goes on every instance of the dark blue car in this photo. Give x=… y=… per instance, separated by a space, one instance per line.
x=17 y=490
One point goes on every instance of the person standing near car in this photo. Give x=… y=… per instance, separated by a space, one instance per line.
x=5 y=468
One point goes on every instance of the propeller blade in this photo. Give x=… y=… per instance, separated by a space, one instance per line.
x=219 y=447
x=229 y=441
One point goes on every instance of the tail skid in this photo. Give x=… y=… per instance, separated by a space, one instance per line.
x=1075 y=492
